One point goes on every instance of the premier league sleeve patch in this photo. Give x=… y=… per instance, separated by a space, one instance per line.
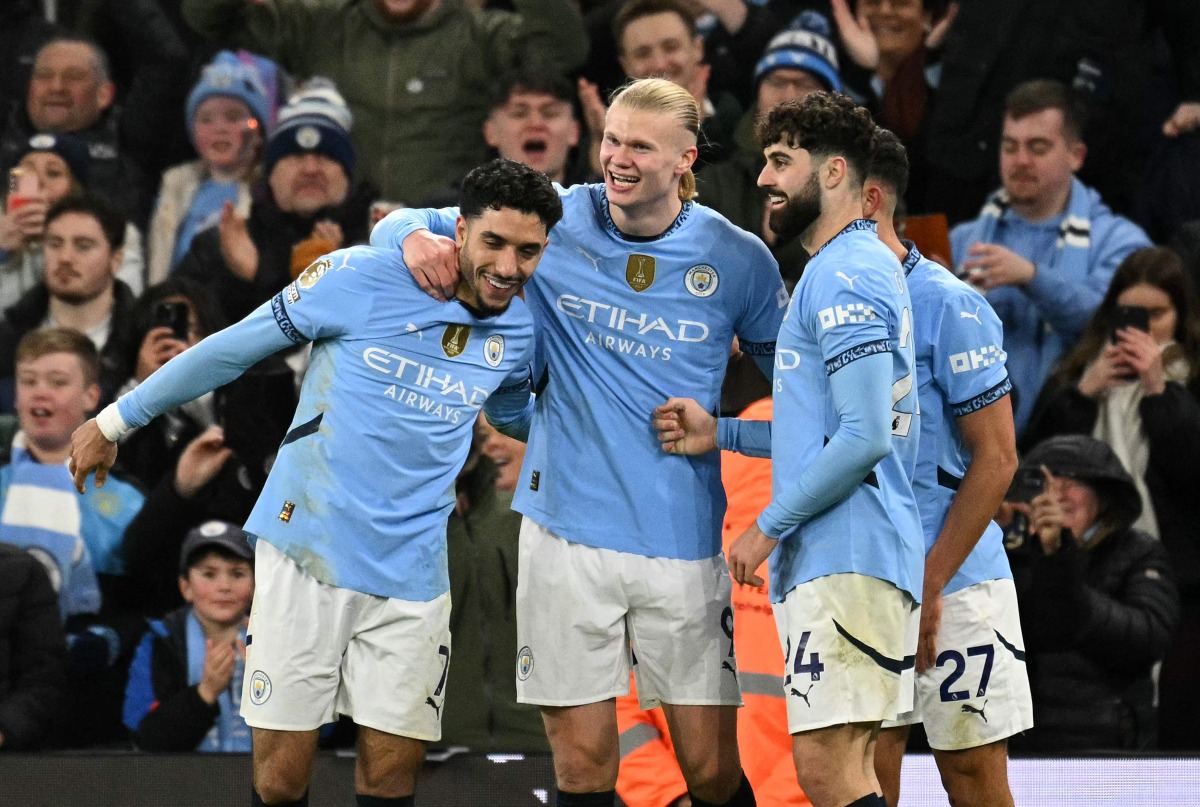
x=701 y=280
x=315 y=271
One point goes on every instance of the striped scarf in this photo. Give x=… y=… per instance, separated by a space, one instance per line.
x=41 y=513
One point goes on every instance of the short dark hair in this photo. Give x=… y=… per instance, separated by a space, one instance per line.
x=208 y=310
x=636 y=9
x=1042 y=94
x=825 y=124
x=99 y=56
x=507 y=183
x=112 y=223
x=889 y=161
x=532 y=80
x=44 y=341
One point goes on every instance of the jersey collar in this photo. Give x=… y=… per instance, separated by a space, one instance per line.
x=854 y=226
x=911 y=259
x=611 y=226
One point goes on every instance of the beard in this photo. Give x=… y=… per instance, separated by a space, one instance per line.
x=470 y=278
x=799 y=212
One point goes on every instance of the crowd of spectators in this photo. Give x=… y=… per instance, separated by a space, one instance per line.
x=173 y=163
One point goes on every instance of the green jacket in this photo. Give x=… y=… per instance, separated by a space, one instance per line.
x=481 y=709
x=419 y=92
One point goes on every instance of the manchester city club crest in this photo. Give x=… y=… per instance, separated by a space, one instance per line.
x=493 y=350
x=315 y=271
x=639 y=271
x=260 y=688
x=454 y=340
x=308 y=137
x=524 y=663
x=701 y=280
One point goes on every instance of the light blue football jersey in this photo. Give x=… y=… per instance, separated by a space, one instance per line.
x=850 y=303
x=364 y=481
x=624 y=324
x=960 y=369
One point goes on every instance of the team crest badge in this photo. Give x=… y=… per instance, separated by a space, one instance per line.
x=308 y=137
x=454 y=340
x=493 y=350
x=315 y=271
x=701 y=280
x=260 y=688
x=639 y=271
x=524 y=663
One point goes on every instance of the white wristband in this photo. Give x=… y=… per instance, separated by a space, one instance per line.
x=111 y=424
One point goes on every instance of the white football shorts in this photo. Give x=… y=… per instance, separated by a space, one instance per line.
x=979 y=691
x=315 y=651
x=586 y=616
x=847 y=640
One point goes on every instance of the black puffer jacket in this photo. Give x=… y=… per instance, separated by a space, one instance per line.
x=1096 y=619
x=33 y=656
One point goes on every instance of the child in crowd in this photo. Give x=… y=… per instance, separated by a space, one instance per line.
x=185 y=683
x=228 y=113
x=50 y=168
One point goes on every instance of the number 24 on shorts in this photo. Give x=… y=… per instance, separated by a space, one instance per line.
x=813 y=666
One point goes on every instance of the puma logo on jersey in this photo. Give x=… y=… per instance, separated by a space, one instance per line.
x=803 y=694
x=595 y=261
x=437 y=709
x=849 y=280
x=975 y=316
x=725 y=665
x=411 y=328
x=968 y=709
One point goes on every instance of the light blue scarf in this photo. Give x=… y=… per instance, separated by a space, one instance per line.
x=230 y=732
x=41 y=514
x=1071 y=250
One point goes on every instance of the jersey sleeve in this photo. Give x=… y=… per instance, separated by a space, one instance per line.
x=329 y=298
x=765 y=304
x=968 y=354
x=400 y=224
x=846 y=308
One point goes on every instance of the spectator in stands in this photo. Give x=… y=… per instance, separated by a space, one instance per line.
x=227 y=118
x=1097 y=597
x=80 y=290
x=71 y=92
x=659 y=39
x=1045 y=246
x=56 y=166
x=207 y=459
x=77 y=538
x=416 y=73
x=1108 y=49
x=23 y=31
x=481 y=710
x=799 y=61
x=898 y=42
x=649 y=775
x=185 y=683
x=308 y=207
x=32 y=653
x=532 y=120
x=1141 y=396
x=735 y=32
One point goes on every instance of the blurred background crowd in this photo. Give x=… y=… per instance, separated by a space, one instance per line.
x=173 y=163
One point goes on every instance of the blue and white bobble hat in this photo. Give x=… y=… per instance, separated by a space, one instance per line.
x=805 y=45
x=228 y=75
x=314 y=120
